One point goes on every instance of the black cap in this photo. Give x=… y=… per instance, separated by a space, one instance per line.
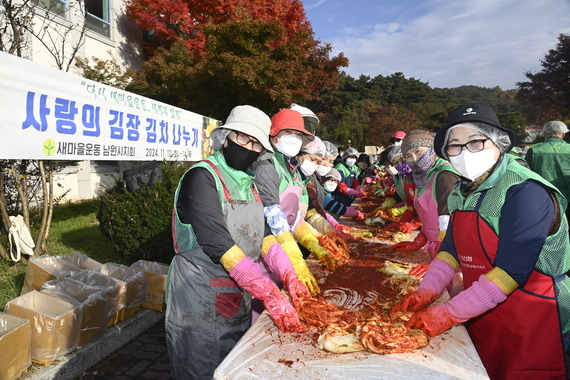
x=468 y=113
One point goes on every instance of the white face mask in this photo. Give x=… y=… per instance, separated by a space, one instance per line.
x=392 y=170
x=308 y=167
x=289 y=145
x=471 y=165
x=330 y=186
x=322 y=170
x=350 y=161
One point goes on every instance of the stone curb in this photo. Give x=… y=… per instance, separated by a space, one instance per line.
x=80 y=360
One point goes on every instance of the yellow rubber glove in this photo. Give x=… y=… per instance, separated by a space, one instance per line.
x=307 y=238
x=388 y=203
x=397 y=211
x=232 y=257
x=303 y=273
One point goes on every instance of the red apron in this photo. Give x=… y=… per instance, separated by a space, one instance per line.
x=521 y=338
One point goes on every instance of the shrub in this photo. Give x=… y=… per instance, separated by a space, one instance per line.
x=139 y=224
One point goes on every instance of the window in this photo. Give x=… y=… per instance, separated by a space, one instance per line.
x=98 y=16
x=58 y=7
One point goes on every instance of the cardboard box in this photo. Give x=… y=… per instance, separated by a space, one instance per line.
x=15 y=346
x=45 y=268
x=114 y=289
x=134 y=280
x=80 y=260
x=122 y=314
x=54 y=322
x=156 y=275
x=92 y=299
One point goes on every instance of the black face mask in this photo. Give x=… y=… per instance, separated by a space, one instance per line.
x=237 y=156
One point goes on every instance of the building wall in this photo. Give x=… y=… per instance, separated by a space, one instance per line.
x=87 y=179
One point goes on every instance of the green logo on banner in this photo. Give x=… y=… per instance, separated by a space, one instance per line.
x=49 y=147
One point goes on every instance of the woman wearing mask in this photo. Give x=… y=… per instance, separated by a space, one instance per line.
x=218 y=227
x=367 y=170
x=320 y=164
x=509 y=235
x=349 y=188
x=402 y=202
x=284 y=194
x=334 y=208
x=330 y=205
x=435 y=178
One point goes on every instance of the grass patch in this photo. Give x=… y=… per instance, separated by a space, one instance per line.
x=74 y=228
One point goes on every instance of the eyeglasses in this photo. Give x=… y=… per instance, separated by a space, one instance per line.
x=244 y=140
x=472 y=146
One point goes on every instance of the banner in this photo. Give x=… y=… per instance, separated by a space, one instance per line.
x=47 y=114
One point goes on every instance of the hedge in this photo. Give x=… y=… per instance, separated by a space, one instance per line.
x=139 y=224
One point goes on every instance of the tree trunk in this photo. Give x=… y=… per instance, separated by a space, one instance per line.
x=42 y=230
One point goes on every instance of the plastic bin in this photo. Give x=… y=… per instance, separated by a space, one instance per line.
x=15 y=346
x=54 y=322
x=156 y=274
x=80 y=260
x=114 y=289
x=92 y=299
x=45 y=268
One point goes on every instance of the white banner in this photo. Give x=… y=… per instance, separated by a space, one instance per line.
x=49 y=114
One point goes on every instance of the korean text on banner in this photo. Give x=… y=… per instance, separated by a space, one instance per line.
x=49 y=114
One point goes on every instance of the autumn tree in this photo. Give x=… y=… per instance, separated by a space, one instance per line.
x=385 y=120
x=243 y=61
x=546 y=96
x=170 y=21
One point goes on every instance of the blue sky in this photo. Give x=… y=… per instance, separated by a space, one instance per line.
x=448 y=43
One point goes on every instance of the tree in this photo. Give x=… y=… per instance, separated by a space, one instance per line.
x=244 y=61
x=385 y=120
x=515 y=121
x=170 y=21
x=28 y=184
x=106 y=71
x=546 y=96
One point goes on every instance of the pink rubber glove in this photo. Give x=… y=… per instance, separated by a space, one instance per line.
x=356 y=193
x=408 y=246
x=414 y=301
x=419 y=270
x=342 y=227
x=481 y=296
x=406 y=227
x=352 y=213
x=333 y=222
x=248 y=276
x=279 y=263
x=408 y=215
x=339 y=228
x=438 y=275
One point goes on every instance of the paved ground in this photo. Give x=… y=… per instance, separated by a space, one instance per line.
x=143 y=358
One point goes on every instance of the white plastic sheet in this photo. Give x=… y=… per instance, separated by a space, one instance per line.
x=264 y=352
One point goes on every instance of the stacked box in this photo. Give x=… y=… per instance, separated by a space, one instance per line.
x=80 y=260
x=45 y=268
x=136 y=287
x=15 y=346
x=92 y=299
x=156 y=274
x=54 y=322
x=115 y=290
